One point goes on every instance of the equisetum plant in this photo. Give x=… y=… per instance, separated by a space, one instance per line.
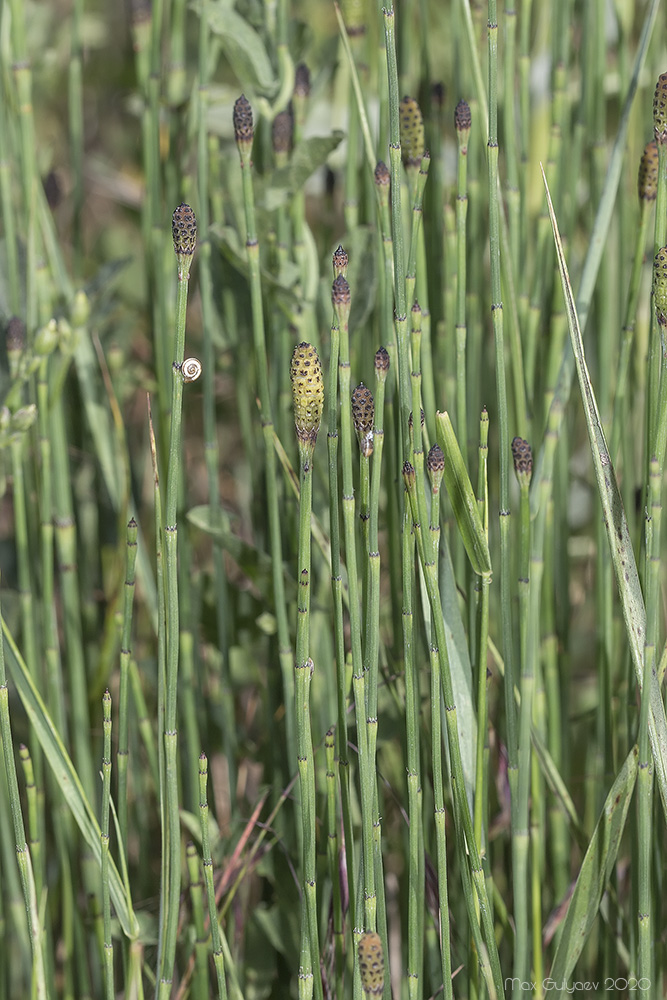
x=377 y=716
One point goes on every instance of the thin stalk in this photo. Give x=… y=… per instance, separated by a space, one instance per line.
x=27 y=597
x=413 y=767
x=511 y=135
x=520 y=827
x=22 y=852
x=109 y=990
x=66 y=548
x=400 y=306
x=620 y=414
x=200 y=989
x=341 y=303
x=463 y=123
x=436 y=464
x=185 y=234
x=75 y=108
x=8 y=209
x=216 y=932
x=22 y=75
x=490 y=965
x=305 y=371
x=35 y=818
x=372 y=643
x=337 y=582
x=211 y=451
x=333 y=849
x=645 y=762
x=503 y=421
x=125 y=656
x=440 y=826
x=481 y=819
x=244 y=131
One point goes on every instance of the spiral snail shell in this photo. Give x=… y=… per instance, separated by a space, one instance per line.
x=191 y=369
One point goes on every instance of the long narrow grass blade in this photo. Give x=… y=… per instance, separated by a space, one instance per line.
x=67 y=778
x=622 y=555
x=594 y=874
x=462 y=497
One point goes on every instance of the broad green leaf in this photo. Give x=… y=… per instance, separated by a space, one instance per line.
x=594 y=874
x=67 y=778
x=306 y=158
x=616 y=525
x=462 y=497
x=243 y=48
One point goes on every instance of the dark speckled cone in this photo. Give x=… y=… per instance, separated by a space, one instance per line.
x=341 y=298
x=339 y=261
x=660 y=109
x=463 y=123
x=381 y=363
x=647 y=181
x=16 y=335
x=307 y=394
x=660 y=285
x=435 y=463
x=371 y=964
x=363 y=413
x=382 y=175
x=244 y=130
x=523 y=460
x=184 y=232
x=281 y=133
x=462 y=116
x=302 y=81
x=412 y=131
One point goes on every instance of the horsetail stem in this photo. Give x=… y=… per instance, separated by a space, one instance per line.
x=308 y=400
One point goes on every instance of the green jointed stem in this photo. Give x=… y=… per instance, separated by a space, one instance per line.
x=308 y=397
x=216 y=933
x=22 y=853
x=645 y=763
x=340 y=261
x=511 y=137
x=400 y=305
x=211 y=450
x=463 y=122
x=244 y=133
x=341 y=303
x=76 y=131
x=481 y=818
x=462 y=812
x=123 y=700
x=200 y=990
x=523 y=464
x=648 y=179
x=66 y=548
x=503 y=420
x=184 y=232
x=333 y=849
x=413 y=764
x=35 y=820
x=104 y=825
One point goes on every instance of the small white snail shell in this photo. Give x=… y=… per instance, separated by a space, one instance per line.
x=191 y=369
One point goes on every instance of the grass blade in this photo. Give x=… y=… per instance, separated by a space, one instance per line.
x=594 y=873
x=67 y=778
x=616 y=525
